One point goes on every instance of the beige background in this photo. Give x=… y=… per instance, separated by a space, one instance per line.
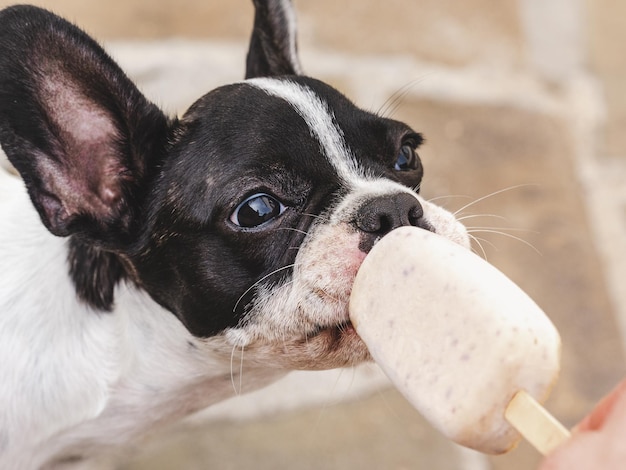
x=526 y=96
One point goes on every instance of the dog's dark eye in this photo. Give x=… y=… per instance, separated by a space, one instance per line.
x=257 y=210
x=407 y=159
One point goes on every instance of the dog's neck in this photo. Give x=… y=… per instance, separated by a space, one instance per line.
x=104 y=370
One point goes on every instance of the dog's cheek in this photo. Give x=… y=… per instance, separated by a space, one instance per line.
x=330 y=262
x=316 y=297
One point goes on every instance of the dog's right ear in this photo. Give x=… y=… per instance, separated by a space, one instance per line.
x=273 y=45
x=76 y=128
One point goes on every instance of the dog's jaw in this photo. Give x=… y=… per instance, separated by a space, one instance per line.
x=303 y=322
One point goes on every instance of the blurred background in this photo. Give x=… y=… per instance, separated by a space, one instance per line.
x=523 y=106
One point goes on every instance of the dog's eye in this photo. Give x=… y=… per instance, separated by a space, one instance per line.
x=257 y=210
x=407 y=159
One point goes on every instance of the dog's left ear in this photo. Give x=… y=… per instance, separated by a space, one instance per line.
x=273 y=45
x=80 y=133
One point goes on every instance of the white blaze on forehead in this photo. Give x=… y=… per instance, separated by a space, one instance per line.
x=319 y=119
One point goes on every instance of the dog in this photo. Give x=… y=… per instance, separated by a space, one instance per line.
x=140 y=252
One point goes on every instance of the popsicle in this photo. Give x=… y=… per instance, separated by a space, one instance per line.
x=459 y=340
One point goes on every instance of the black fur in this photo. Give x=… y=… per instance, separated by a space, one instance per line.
x=53 y=77
x=268 y=54
x=150 y=199
x=95 y=273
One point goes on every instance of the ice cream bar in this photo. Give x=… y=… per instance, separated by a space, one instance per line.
x=458 y=338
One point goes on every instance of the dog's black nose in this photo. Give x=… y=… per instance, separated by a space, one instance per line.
x=380 y=216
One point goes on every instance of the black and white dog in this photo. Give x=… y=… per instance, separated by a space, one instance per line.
x=146 y=250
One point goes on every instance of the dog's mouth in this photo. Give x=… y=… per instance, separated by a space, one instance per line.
x=337 y=338
x=329 y=347
x=336 y=331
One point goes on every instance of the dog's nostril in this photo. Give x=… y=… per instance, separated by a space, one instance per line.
x=381 y=215
x=416 y=219
x=415 y=215
x=375 y=222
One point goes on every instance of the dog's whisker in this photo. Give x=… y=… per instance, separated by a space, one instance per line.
x=392 y=411
x=286 y=284
x=434 y=200
x=392 y=102
x=335 y=386
x=237 y=390
x=241 y=370
x=450 y=196
x=510 y=229
x=487 y=196
x=477 y=216
x=353 y=377
x=316 y=216
x=390 y=106
x=477 y=243
x=382 y=111
x=314 y=429
x=232 y=369
x=395 y=104
x=291 y=229
x=481 y=242
x=289 y=266
x=509 y=235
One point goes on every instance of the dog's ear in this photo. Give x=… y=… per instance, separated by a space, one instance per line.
x=76 y=128
x=273 y=46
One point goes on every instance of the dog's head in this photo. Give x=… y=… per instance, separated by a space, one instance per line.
x=247 y=218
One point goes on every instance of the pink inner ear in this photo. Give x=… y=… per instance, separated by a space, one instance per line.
x=87 y=174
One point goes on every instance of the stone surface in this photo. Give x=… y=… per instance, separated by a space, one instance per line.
x=485 y=134
x=147 y=19
x=607 y=36
x=434 y=30
x=382 y=431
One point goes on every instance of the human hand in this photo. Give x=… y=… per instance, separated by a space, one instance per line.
x=598 y=441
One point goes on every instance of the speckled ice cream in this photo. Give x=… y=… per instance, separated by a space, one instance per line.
x=454 y=334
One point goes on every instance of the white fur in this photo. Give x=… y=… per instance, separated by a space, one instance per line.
x=318 y=117
x=72 y=378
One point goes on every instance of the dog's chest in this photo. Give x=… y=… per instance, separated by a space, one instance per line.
x=74 y=378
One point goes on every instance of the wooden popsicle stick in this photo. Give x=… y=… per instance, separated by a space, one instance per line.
x=535 y=423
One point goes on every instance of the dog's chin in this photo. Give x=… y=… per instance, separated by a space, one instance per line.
x=324 y=347
x=329 y=345
x=334 y=346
